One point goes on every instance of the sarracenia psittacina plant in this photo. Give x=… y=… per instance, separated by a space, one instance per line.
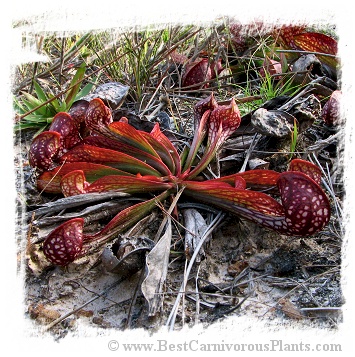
x=115 y=156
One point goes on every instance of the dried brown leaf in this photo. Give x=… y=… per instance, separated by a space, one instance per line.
x=157 y=267
x=290 y=310
x=195 y=227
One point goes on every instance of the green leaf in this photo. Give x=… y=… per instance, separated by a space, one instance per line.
x=294 y=137
x=34 y=118
x=32 y=102
x=75 y=85
x=86 y=90
x=22 y=126
x=56 y=104
x=40 y=93
x=19 y=107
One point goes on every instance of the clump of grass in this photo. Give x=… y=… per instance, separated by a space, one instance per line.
x=144 y=56
x=37 y=111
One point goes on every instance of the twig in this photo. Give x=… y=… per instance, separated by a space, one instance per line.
x=321 y=144
x=308 y=53
x=168 y=214
x=236 y=306
x=171 y=319
x=134 y=298
x=256 y=139
x=61 y=62
x=91 y=213
x=328 y=185
x=197 y=309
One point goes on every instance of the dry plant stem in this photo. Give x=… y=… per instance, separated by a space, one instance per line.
x=35 y=67
x=161 y=105
x=321 y=144
x=134 y=299
x=61 y=62
x=321 y=309
x=201 y=303
x=197 y=309
x=236 y=307
x=256 y=139
x=328 y=185
x=75 y=201
x=90 y=214
x=292 y=101
x=171 y=319
x=174 y=47
x=184 y=295
x=309 y=89
x=168 y=214
x=241 y=100
x=249 y=281
x=307 y=53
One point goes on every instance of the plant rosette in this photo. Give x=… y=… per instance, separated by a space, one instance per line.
x=115 y=156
